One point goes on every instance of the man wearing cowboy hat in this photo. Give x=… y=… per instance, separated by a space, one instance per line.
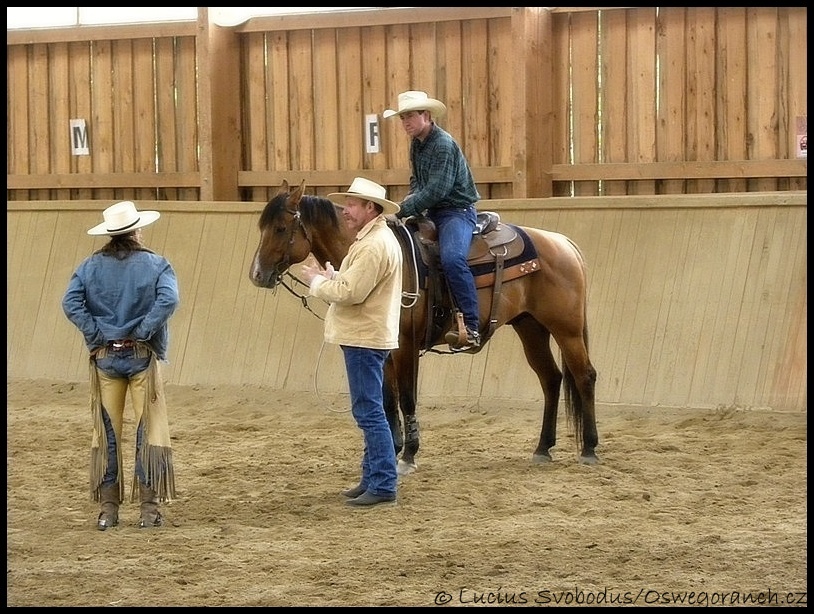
x=442 y=185
x=363 y=319
x=121 y=298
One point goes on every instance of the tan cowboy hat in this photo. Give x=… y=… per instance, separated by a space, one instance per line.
x=417 y=101
x=122 y=218
x=366 y=190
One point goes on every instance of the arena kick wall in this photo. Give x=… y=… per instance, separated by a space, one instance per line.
x=694 y=301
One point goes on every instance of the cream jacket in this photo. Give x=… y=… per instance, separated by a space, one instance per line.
x=365 y=293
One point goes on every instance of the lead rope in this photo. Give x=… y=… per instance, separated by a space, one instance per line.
x=304 y=301
x=411 y=297
x=316 y=387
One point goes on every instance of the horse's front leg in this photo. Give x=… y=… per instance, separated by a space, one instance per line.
x=537 y=348
x=405 y=370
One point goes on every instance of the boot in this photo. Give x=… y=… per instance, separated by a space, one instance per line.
x=150 y=516
x=109 y=514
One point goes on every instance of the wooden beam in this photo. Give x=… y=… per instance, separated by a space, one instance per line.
x=82 y=34
x=103 y=180
x=681 y=170
x=364 y=18
x=390 y=177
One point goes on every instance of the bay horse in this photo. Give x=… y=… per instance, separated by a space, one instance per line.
x=532 y=279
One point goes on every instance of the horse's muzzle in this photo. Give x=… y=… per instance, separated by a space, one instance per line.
x=264 y=279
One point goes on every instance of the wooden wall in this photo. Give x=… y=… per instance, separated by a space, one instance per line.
x=564 y=101
x=696 y=302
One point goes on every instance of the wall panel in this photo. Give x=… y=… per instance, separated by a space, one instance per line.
x=694 y=301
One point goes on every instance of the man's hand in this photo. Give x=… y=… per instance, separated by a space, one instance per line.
x=405 y=210
x=309 y=271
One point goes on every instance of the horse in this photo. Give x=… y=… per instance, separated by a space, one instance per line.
x=531 y=279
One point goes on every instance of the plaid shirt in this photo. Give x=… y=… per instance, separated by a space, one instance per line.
x=441 y=175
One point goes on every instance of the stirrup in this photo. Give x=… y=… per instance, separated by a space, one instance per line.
x=471 y=342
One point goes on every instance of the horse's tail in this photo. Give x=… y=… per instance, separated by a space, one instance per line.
x=574 y=407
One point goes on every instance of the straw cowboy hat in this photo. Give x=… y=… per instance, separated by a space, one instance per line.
x=417 y=101
x=122 y=218
x=366 y=190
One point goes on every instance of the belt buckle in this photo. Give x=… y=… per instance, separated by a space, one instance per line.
x=117 y=345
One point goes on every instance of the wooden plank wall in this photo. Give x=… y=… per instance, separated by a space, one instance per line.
x=694 y=302
x=329 y=79
x=137 y=94
x=564 y=101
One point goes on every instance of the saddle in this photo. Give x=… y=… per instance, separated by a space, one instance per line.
x=499 y=252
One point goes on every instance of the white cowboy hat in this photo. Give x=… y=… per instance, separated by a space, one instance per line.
x=417 y=101
x=122 y=218
x=366 y=190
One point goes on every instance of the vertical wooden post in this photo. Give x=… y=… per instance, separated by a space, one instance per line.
x=218 y=55
x=532 y=124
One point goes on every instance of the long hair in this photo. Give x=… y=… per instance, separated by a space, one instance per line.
x=122 y=246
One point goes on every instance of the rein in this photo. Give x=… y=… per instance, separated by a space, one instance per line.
x=410 y=299
x=403 y=233
x=303 y=297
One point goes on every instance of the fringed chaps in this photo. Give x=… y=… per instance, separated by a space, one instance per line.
x=155 y=455
x=98 y=445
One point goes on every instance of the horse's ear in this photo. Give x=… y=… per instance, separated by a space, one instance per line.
x=284 y=187
x=296 y=195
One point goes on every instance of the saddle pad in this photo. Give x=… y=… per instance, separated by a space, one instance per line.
x=515 y=266
x=524 y=262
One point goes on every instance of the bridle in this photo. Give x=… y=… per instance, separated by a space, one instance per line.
x=283 y=267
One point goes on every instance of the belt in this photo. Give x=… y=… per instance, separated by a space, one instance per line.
x=121 y=344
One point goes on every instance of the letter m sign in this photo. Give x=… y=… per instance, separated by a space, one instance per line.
x=79 y=138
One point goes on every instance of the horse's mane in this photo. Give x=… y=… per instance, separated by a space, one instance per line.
x=314 y=210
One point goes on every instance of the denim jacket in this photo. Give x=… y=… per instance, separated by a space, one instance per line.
x=109 y=299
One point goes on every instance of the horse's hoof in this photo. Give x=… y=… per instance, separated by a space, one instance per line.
x=405 y=468
x=541 y=459
x=588 y=459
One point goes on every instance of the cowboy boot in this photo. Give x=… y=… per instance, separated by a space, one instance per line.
x=109 y=514
x=150 y=516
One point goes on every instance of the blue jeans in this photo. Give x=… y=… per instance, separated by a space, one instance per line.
x=455 y=228
x=365 y=368
x=120 y=371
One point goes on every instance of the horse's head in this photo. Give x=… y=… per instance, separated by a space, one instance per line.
x=283 y=238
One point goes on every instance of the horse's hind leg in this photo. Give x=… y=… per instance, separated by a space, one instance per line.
x=580 y=395
x=537 y=348
x=391 y=404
